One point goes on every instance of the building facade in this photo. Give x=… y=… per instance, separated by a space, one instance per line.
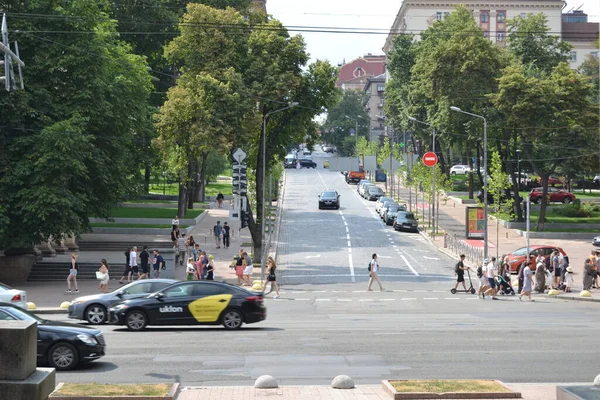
x=375 y=88
x=581 y=34
x=354 y=75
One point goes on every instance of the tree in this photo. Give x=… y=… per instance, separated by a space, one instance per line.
x=498 y=185
x=345 y=117
x=67 y=140
x=401 y=60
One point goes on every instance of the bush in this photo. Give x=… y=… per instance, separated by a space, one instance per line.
x=590 y=207
x=572 y=211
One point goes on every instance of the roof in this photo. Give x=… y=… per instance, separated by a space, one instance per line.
x=366 y=66
x=580 y=31
x=375 y=79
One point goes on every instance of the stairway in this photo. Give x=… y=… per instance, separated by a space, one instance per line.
x=121 y=246
x=56 y=271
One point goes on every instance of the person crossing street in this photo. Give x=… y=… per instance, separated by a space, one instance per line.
x=373 y=273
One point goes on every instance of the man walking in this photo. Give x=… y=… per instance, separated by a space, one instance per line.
x=491 y=276
x=133 y=267
x=373 y=273
x=460 y=272
x=226 y=233
x=181 y=248
x=482 y=275
x=159 y=263
x=144 y=257
x=218 y=231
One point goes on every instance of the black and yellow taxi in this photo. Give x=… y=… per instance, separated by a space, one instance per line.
x=191 y=303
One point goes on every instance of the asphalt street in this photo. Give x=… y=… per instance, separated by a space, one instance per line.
x=326 y=324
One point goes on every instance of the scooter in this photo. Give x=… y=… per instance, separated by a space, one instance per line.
x=471 y=289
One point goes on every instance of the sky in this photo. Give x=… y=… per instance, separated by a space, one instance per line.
x=373 y=15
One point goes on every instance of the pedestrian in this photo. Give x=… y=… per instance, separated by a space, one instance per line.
x=104 y=276
x=220 y=199
x=527 y=282
x=248 y=268
x=589 y=273
x=483 y=281
x=144 y=257
x=556 y=266
x=190 y=270
x=126 y=271
x=195 y=250
x=175 y=222
x=181 y=249
x=218 y=231
x=491 y=276
x=204 y=264
x=239 y=267
x=568 y=279
x=73 y=269
x=175 y=235
x=563 y=275
x=199 y=266
x=158 y=265
x=133 y=267
x=210 y=271
x=271 y=276
x=520 y=275
x=597 y=264
x=459 y=269
x=540 y=274
x=374 y=273
x=226 y=235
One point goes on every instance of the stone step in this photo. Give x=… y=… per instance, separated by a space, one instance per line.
x=55 y=271
x=120 y=246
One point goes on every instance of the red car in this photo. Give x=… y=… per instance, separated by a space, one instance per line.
x=516 y=258
x=554 y=195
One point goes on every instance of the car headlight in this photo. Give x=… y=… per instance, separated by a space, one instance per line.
x=87 y=339
x=76 y=302
x=119 y=307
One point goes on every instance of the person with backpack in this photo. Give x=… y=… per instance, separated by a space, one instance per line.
x=459 y=270
x=483 y=281
x=373 y=273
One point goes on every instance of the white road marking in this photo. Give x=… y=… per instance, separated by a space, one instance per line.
x=430 y=258
x=348 y=236
x=302 y=299
x=349 y=244
x=344 y=300
x=351 y=265
x=451 y=298
x=322 y=299
x=430 y=298
x=389 y=333
x=409 y=266
x=408 y=298
x=378 y=256
x=317 y=256
x=347 y=230
x=318 y=291
x=365 y=299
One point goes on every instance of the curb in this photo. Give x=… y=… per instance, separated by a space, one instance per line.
x=49 y=310
x=573 y=298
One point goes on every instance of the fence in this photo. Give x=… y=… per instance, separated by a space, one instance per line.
x=454 y=243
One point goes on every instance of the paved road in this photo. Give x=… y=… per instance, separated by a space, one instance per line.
x=326 y=324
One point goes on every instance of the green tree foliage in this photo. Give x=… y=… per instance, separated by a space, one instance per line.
x=68 y=138
x=401 y=60
x=498 y=184
x=348 y=115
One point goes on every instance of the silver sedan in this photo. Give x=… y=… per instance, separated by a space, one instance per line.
x=12 y=296
x=93 y=308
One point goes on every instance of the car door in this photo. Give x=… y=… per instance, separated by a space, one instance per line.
x=136 y=291
x=41 y=347
x=554 y=195
x=211 y=300
x=170 y=307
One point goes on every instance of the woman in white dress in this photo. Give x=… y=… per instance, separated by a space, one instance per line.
x=105 y=278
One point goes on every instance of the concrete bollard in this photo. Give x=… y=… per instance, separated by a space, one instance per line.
x=31 y=306
x=342 y=382
x=265 y=382
x=553 y=292
x=585 y=293
x=64 y=304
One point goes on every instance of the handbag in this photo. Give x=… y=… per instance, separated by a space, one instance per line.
x=100 y=275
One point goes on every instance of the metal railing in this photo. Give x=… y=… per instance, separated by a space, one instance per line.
x=456 y=244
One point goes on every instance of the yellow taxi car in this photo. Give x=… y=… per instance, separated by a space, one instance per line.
x=326 y=164
x=191 y=303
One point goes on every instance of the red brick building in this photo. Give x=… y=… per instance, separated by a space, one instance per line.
x=354 y=75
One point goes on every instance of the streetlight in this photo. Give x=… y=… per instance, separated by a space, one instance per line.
x=432 y=172
x=264 y=163
x=485 y=180
x=519 y=170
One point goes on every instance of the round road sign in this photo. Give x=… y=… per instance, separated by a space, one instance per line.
x=430 y=159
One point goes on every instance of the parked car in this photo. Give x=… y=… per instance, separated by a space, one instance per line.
x=12 y=296
x=459 y=170
x=554 y=195
x=355 y=176
x=306 y=163
x=372 y=193
x=94 y=308
x=329 y=199
x=364 y=187
x=596 y=241
x=60 y=345
x=360 y=183
x=389 y=215
x=405 y=220
x=503 y=197
x=385 y=207
x=380 y=202
x=516 y=258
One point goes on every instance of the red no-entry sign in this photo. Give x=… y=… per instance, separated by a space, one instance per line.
x=430 y=159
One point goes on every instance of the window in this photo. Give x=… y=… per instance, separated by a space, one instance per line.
x=179 y=290
x=484 y=17
x=380 y=87
x=573 y=56
x=438 y=16
x=500 y=36
x=140 y=288
x=486 y=34
x=594 y=54
x=523 y=15
x=501 y=16
x=4 y=316
x=207 y=289
x=520 y=252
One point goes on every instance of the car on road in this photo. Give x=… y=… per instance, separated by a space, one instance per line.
x=389 y=216
x=326 y=164
x=355 y=176
x=503 y=197
x=362 y=182
x=380 y=202
x=363 y=187
x=372 y=193
x=191 y=303
x=405 y=220
x=306 y=163
x=329 y=149
x=60 y=345
x=329 y=199
x=554 y=195
x=94 y=308
x=386 y=205
x=12 y=296
x=306 y=152
x=517 y=257
x=459 y=170
x=596 y=241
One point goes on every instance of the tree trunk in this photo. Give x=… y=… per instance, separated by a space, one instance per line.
x=544 y=201
x=184 y=192
x=193 y=185
x=147 y=173
x=470 y=162
x=203 y=176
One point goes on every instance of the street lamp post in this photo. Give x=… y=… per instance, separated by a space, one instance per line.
x=518 y=171
x=432 y=172
x=263 y=246
x=485 y=180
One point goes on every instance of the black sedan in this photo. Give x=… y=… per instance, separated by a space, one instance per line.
x=191 y=303
x=60 y=345
x=305 y=163
x=329 y=199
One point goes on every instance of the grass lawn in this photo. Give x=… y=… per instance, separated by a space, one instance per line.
x=117 y=225
x=133 y=212
x=170 y=202
x=98 y=389
x=212 y=189
x=567 y=230
x=439 y=386
x=559 y=219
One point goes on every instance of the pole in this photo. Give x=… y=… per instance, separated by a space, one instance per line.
x=527 y=211
x=485 y=190
x=356 y=136
x=518 y=171
x=433 y=187
x=262 y=186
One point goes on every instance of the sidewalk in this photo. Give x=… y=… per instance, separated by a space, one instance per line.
x=502 y=240
x=361 y=392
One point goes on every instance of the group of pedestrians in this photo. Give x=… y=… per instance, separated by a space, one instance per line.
x=200 y=266
x=243 y=268
x=222 y=233
x=132 y=257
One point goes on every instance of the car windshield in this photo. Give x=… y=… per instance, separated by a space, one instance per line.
x=374 y=190
x=24 y=316
x=407 y=215
x=393 y=209
x=520 y=252
x=329 y=194
x=3 y=287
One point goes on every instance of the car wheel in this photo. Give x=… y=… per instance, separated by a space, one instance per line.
x=337 y=207
x=567 y=200
x=453 y=173
x=96 y=314
x=232 y=319
x=136 y=320
x=63 y=356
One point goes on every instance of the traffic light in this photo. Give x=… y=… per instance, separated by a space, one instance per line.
x=244 y=218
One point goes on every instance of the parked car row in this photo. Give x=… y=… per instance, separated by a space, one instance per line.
x=396 y=215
